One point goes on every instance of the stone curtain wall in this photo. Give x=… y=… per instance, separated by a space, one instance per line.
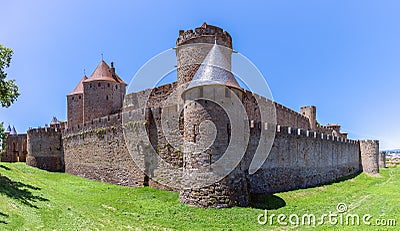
x=301 y=159
x=287 y=117
x=382 y=159
x=45 y=149
x=92 y=155
x=97 y=151
x=16 y=148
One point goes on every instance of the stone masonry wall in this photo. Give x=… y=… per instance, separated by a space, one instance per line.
x=231 y=190
x=301 y=159
x=75 y=109
x=16 y=148
x=105 y=157
x=97 y=151
x=382 y=159
x=370 y=156
x=287 y=117
x=102 y=98
x=45 y=149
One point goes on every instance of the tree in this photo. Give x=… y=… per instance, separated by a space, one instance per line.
x=2 y=137
x=8 y=89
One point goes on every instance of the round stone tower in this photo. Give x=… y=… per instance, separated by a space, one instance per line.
x=369 y=150
x=193 y=46
x=208 y=133
x=210 y=119
x=382 y=159
x=311 y=113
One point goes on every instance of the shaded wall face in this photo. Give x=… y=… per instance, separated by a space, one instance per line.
x=45 y=149
x=382 y=160
x=100 y=153
x=75 y=109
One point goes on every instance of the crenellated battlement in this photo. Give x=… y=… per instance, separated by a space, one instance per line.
x=101 y=115
x=208 y=32
x=45 y=148
x=105 y=121
x=290 y=111
x=44 y=132
x=298 y=132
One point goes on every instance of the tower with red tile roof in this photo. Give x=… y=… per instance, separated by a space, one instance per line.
x=101 y=94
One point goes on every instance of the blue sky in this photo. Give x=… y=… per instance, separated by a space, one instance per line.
x=342 y=56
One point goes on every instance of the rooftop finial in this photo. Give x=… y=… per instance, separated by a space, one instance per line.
x=112 y=64
x=102 y=57
x=84 y=71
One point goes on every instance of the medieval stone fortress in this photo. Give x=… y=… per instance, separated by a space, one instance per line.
x=92 y=143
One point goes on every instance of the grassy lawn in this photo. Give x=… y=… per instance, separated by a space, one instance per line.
x=33 y=199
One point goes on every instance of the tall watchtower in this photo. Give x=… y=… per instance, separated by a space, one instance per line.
x=103 y=92
x=311 y=113
x=209 y=94
x=193 y=46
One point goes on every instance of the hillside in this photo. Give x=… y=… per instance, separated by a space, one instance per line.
x=33 y=199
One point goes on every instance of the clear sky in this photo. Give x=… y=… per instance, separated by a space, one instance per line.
x=342 y=56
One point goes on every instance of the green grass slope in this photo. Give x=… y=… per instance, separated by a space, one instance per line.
x=33 y=199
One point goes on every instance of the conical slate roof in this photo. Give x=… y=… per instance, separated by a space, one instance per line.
x=13 y=131
x=104 y=73
x=215 y=70
x=8 y=129
x=79 y=88
x=54 y=121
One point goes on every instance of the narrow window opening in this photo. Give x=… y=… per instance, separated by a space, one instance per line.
x=194 y=134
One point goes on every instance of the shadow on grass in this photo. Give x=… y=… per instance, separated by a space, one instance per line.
x=19 y=191
x=272 y=202
x=3 y=215
x=338 y=180
x=5 y=167
x=266 y=201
